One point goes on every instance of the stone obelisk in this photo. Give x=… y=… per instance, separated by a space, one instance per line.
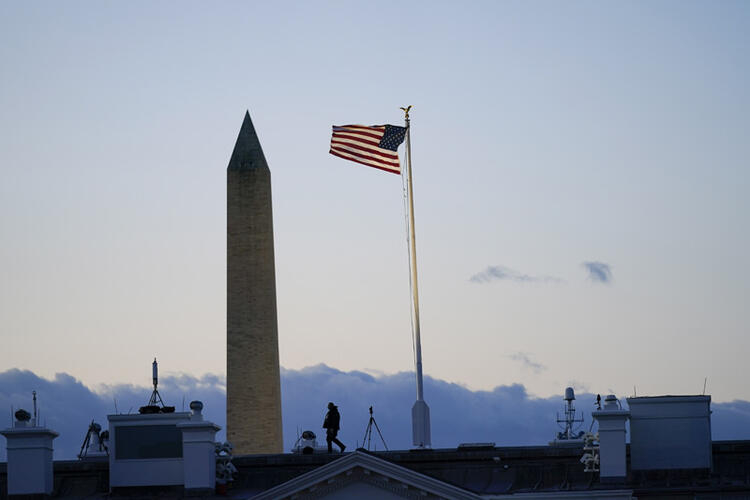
x=253 y=378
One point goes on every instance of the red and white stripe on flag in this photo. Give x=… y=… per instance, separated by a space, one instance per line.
x=361 y=143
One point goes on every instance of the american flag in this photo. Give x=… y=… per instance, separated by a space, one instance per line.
x=374 y=146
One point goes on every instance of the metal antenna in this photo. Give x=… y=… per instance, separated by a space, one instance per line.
x=368 y=433
x=570 y=423
x=86 y=440
x=155 y=396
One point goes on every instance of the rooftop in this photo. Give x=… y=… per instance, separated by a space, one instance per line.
x=488 y=472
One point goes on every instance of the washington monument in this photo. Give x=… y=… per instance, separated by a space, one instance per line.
x=253 y=380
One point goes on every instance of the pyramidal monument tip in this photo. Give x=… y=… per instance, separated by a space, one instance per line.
x=248 y=153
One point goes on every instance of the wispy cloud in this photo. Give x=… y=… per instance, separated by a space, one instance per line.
x=599 y=272
x=499 y=273
x=527 y=362
x=579 y=386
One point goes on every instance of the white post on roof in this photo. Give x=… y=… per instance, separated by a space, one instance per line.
x=613 y=463
x=29 y=457
x=420 y=412
x=198 y=452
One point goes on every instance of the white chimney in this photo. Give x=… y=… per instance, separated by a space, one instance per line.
x=29 y=455
x=613 y=465
x=199 y=452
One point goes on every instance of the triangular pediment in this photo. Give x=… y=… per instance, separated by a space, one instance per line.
x=362 y=475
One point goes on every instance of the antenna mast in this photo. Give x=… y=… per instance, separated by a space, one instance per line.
x=570 y=422
x=34 y=422
x=155 y=396
x=368 y=433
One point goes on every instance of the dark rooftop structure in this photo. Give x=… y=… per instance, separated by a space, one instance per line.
x=485 y=472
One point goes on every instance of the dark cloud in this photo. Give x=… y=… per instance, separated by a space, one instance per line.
x=507 y=415
x=67 y=406
x=498 y=273
x=599 y=272
x=527 y=362
x=730 y=420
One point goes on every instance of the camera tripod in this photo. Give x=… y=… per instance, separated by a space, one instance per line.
x=368 y=432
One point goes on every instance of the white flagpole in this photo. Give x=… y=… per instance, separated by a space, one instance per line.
x=420 y=412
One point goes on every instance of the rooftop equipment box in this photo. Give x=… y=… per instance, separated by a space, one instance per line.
x=670 y=432
x=146 y=450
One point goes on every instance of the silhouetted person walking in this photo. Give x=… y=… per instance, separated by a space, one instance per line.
x=331 y=425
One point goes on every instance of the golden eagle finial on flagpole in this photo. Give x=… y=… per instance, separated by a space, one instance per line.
x=406 y=111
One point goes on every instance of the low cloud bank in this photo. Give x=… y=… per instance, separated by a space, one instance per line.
x=67 y=406
x=507 y=415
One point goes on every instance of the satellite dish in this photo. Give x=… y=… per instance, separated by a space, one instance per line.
x=22 y=415
x=308 y=435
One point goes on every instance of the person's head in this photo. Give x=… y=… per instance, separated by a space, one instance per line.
x=331 y=406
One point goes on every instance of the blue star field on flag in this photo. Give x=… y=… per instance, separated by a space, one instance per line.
x=393 y=137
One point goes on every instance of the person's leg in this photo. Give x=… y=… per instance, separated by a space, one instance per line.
x=333 y=438
x=330 y=437
x=339 y=444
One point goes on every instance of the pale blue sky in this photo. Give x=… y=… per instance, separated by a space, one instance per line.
x=545 y=135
